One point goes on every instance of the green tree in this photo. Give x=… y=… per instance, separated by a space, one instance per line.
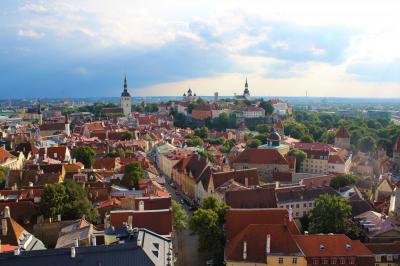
x=3 y=176
x=367 y=144
x=133 y=173
x=328 y=137
x=343 y=180
x=207 y=223
x=201 y=132
x=195 y=142
x=127 y=136
x=331 y=214
x=52 y=200
x=77 y=203
x=179 y=216
x=68 y=199
x=253 y=143
x=264 y=128
x=300 y=155
x=267 y=106
x=209 y=155
x=85 y=155
x=307 y=139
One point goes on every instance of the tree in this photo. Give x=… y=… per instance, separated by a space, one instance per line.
x=328 y=137
x=52 y=200
x=343 y=180
x=264 y=128
x=127 y=136
x=207 y=223
x=267 y=106
x=3 y=176
x=307 y=139
x=77 y=203
x=207 y=154
x=201 y=132
x=300 y=155
x=133 y=173
x=195 y=142
x=85 y=155
x=253 y=143
x=367 y=144
x=178 y=216
x=331 y=214
x=68 y=199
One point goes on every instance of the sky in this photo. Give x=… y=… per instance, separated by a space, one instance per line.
x=83 y=48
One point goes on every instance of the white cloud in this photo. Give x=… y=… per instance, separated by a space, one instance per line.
x=30 y=34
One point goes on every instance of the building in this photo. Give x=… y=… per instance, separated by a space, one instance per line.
x=252 y=112
x=266 y=161
x=385 y=254
x=133 y=247
x=126 y=102
x=246 y=93
x=324 y=158
x=394 y=207
x=342 y=138
x=300 y=199
x=261 y=237
x=189 y=96
x=333 y=250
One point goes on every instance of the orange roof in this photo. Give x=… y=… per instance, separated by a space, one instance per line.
x=7 y=248
x=261 y=156
x=330 y=246
x=4 y=154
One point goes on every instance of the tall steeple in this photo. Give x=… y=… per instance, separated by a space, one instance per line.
x=246 y=86
x=126 y=103
x=246 y=92
x=125 y=93
x=125 y=84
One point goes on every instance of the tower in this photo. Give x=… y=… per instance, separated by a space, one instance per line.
x=40 y=116
x=246 y=92
x=342 y=138
x=126 y=103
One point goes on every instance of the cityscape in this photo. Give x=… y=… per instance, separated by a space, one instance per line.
x=230 y=133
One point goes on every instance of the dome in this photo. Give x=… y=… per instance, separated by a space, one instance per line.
x=274 y=136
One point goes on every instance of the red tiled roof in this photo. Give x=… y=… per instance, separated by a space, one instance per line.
x=158 y=221
x=255 y=236
x=239 y=176
x=61 y=153
x=261 y=156
x=384 y=248
x=52 y=127
x=238 y=219
x=4 y=155
x=252 y=198
x=278 y=125
x=153 y=203
x=106 y=163
x=334 y=245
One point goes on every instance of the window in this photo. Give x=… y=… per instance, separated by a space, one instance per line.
x=294 y=261
x=297 y=214
x=389 y=258
x=297 y=205
x=315 y=262
x=342 y=261
x=287 y=206
x=280 y=260
x=310 y=204
x=305 y=205
x=333 y=261
x=352 y=261
x=378 y=258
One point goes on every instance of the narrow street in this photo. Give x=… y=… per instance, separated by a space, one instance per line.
x=187 y=242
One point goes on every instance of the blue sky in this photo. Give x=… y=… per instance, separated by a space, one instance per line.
x=83 y=48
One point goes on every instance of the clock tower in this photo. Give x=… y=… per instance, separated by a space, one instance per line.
x=126 y=103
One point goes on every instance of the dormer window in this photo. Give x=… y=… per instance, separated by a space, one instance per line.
x=321 y=247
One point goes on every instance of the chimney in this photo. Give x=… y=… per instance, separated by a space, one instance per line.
x=290 y=214
x=17 y=252
x=7 y=212
x=246 y=181
x=277 y=184
x=244 y=250
x=306 y=232
x=141 y=205
x=94 y=243
x=55 y=155
x=130 y=218
x=268 y=246
x=73 y=252
x=76 y=242
x=4 y=228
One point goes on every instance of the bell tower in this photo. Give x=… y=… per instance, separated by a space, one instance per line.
x=126 y=103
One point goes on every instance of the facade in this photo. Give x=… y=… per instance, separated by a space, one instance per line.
x=385 y=254
x=324 y=159
x=300 y=199
x=126 y=103
x=266 y=161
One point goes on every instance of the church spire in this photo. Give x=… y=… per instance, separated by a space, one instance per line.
x=246 y=85
x=125 y=84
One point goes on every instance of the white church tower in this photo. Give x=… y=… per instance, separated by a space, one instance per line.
x=126 y=103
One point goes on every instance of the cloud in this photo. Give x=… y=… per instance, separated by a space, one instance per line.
x=376 y=72
x=30 y=34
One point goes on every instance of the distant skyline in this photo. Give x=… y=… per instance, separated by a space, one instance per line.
x=83 y=48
